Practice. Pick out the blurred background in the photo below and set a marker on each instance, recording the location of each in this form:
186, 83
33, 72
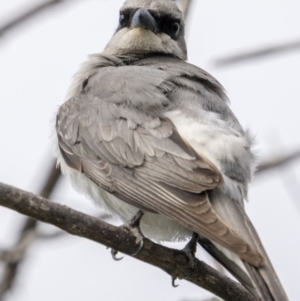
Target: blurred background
251, 47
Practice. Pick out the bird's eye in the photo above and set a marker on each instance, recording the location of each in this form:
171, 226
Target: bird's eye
175, 29
123, 19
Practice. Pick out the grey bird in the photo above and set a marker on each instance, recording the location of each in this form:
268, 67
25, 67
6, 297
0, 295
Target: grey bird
142, 129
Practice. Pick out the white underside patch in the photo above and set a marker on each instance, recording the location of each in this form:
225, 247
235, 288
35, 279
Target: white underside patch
213, 139
209, 136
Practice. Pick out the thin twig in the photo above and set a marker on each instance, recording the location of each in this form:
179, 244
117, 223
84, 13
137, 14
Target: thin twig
277, 162
255, 54
185, 7
15, 255
28, 230
35, 10
211, 299
174, 262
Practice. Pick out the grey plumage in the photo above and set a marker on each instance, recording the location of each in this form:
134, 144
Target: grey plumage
143, 129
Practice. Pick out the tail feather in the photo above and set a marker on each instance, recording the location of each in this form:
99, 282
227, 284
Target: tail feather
262, 282
264, 277
231, 265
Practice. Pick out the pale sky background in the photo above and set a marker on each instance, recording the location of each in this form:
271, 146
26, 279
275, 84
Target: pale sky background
37, 61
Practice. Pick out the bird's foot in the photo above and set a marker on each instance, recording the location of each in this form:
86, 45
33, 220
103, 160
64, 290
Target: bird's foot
133, 226
135, 221
190, 250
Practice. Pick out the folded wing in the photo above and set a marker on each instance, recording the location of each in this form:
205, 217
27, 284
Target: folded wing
115, 134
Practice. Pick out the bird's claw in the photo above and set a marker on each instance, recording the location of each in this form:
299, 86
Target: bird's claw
173, 282
114, 255
139, 249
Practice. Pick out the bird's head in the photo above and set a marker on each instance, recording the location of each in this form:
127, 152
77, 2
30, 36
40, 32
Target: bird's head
148, 27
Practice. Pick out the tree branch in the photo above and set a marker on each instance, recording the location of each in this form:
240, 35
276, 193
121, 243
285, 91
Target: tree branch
174, 262
185, 7
255, 54
212, 299
277, 162
27, 15
28, 231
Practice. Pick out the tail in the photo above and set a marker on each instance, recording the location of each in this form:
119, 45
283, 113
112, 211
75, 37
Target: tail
262, 282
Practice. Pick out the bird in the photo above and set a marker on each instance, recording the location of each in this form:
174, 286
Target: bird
144, 131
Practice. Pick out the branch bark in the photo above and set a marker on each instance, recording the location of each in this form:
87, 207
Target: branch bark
27, 15
174, 262
259, 53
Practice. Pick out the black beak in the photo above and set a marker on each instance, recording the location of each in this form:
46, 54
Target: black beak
143, 19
